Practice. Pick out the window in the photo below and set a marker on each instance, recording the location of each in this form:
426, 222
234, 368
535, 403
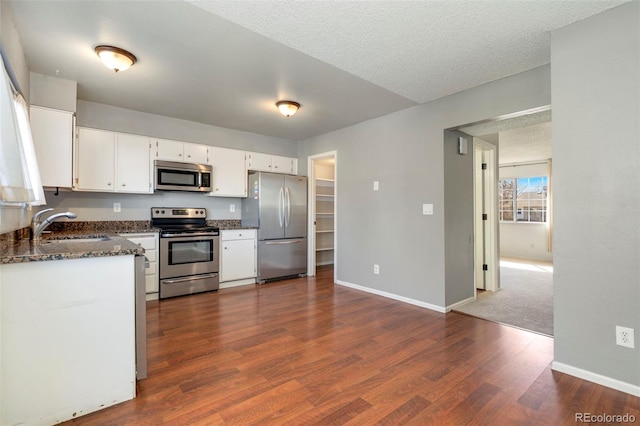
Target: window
523, 199
19, 175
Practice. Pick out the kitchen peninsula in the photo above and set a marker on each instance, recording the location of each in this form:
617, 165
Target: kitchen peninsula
68, 327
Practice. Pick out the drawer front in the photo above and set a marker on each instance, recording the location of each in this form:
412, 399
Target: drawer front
237, 234
147, 243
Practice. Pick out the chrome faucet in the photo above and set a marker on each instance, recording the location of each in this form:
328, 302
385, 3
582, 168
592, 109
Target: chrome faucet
37, 226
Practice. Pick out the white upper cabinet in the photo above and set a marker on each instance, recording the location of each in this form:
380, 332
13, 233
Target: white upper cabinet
95, 160
52, 132
181, 151
229, 172
112, 162
286, 165
272, 163
196, 153
169, 150
133, 166
258, 161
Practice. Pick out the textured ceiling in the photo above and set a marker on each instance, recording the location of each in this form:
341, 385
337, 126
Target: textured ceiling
525, 144
521, 139
227, 63
422, 50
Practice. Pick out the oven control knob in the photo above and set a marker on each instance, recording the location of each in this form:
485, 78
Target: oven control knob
162, 211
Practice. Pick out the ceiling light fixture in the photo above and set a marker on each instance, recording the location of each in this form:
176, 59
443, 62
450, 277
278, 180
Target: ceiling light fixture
287, 108
115, 58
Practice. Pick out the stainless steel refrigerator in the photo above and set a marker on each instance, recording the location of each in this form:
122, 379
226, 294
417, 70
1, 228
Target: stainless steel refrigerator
277, 206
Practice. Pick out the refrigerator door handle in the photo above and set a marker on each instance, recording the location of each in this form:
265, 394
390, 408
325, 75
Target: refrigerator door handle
271, 243
287, 216
281, 206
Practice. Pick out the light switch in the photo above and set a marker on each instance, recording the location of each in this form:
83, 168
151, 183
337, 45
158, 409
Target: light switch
117, 208
427, 209
376, 185
232, 208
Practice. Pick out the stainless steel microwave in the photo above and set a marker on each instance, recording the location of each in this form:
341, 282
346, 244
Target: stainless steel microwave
174, 176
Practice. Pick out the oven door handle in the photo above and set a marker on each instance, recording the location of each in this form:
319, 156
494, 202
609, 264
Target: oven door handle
187, 235
191, 278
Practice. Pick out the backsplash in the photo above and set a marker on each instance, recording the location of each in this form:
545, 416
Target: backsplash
109, 227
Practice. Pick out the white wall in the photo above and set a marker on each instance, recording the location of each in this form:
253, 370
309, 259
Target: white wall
53, 92
404, 151
596, 155
525, 240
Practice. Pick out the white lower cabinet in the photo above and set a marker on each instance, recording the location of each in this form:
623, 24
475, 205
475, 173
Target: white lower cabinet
149, 242
237, 257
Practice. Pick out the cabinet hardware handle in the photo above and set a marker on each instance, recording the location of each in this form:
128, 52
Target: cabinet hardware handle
124, 184
108, 183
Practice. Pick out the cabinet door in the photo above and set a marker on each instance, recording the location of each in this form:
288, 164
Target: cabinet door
169, 150
282, 164
52, 132
132, 163
95, 160
237, 260
258, 161
196, 153
229, 172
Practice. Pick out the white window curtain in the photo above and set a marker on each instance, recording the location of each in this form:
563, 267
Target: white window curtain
19, 174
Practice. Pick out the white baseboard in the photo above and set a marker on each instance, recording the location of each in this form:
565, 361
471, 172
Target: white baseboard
237, 283
151, 296
596, 378
460, 303
393, 296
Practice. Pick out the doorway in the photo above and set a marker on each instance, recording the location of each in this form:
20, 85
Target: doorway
485, 216
322, 170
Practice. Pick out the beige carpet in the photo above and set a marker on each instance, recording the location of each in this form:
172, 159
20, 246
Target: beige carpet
524, 301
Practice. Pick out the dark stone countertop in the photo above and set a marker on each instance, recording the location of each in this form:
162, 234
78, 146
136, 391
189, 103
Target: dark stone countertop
67, 247
58, 243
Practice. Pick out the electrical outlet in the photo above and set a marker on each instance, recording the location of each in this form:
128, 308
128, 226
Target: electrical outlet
624, 337
376, 269
376, 185
232, 208
117, 208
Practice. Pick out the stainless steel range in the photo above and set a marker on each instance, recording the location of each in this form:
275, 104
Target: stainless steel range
188, 251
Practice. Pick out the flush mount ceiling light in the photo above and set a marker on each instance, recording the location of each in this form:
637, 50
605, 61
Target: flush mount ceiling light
287, 108
115, 58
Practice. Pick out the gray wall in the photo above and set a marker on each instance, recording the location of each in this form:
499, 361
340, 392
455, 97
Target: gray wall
107, 117
404, 151
458, 219
596, 152
90, 206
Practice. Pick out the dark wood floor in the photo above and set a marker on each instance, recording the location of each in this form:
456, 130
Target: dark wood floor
306, 351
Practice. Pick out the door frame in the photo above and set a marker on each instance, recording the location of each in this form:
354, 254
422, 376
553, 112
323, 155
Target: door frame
311, 240
491, 256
